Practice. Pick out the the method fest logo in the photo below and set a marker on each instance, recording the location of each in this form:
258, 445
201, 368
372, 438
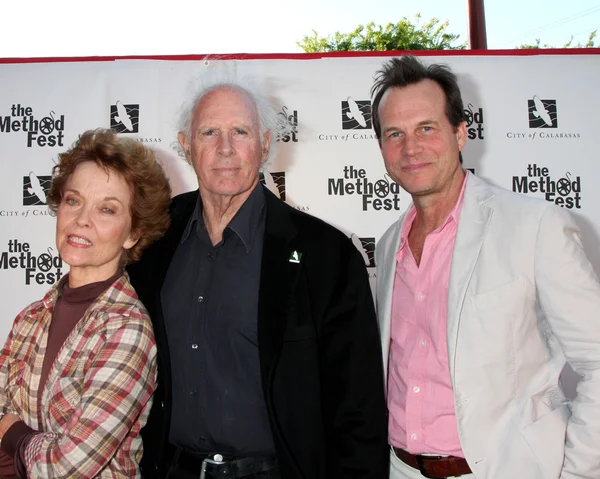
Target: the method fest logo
44, 268
380, 194
287, 123
45, 131
565, 191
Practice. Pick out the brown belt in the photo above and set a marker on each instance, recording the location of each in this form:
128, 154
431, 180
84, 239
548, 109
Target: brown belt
434, 467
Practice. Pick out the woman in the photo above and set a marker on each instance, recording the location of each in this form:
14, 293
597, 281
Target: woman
79, 367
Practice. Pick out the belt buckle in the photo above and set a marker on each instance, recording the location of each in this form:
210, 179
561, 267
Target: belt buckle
216, 460
421, 464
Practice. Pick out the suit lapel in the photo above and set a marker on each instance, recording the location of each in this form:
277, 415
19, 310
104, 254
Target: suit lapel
475, 216
165, 249
179, 220
385, 289
279, 274
164, 254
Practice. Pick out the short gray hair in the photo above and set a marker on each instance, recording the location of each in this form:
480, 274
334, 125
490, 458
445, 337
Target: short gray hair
211, 81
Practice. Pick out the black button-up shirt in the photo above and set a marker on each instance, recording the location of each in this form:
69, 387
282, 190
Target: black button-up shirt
210, 304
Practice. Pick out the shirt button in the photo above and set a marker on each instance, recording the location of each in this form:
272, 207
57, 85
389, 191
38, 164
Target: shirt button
416, 389
200, 299
194, 346
423, 342
211, 255
421, 297
193, 392
414, 437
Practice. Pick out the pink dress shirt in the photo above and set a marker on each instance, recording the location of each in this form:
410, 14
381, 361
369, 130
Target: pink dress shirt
420, 397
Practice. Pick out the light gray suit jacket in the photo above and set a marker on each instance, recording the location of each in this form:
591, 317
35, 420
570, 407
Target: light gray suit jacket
522, 300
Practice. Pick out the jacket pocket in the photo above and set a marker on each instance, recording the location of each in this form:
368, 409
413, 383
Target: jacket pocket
486, 347
66, 395
546, 438
503, 297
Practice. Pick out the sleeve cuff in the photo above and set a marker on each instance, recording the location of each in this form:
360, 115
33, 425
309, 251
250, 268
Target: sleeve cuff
12, 437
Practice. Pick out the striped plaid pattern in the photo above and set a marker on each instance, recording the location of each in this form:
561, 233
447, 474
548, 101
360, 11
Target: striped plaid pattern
106, 368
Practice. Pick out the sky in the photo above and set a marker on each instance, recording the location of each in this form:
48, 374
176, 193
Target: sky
42, 28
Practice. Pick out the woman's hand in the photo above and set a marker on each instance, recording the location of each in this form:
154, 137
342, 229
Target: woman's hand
7, 421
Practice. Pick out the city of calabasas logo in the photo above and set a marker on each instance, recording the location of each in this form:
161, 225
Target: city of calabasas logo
275, 182
356, 115
542, 113
356, 123
366, 247
125, 118
35, 189
542, 117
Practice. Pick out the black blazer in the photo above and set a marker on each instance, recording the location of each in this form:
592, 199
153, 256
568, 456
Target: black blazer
319, 348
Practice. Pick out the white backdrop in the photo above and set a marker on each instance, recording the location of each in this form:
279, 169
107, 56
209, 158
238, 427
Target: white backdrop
532, 124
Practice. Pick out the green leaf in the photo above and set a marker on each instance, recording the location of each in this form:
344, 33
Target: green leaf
403, 35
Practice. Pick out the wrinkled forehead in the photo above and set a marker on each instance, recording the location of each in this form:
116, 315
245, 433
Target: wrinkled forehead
425, 97
226, 101
90, 177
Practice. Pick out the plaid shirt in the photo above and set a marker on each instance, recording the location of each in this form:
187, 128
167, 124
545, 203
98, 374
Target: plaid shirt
106, 368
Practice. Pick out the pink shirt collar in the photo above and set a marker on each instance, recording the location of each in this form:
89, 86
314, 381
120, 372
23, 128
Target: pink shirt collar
452, 216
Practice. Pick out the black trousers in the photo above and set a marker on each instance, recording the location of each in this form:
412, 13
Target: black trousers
179, 473
180, 470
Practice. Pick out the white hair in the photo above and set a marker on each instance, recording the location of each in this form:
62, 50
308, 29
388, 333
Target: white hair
219, 77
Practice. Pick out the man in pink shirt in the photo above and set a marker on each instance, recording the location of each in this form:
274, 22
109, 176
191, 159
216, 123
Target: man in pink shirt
483, 296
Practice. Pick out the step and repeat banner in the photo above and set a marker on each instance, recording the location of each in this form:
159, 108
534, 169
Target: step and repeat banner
532, 126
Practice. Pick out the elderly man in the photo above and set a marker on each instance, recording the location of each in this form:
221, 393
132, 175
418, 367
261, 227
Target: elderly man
269, 353
482, 296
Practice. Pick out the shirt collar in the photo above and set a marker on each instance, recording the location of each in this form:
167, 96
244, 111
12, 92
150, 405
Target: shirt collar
246, 221
50, 297
196, 217
244, 224
455, 213
57, 289
452, 216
